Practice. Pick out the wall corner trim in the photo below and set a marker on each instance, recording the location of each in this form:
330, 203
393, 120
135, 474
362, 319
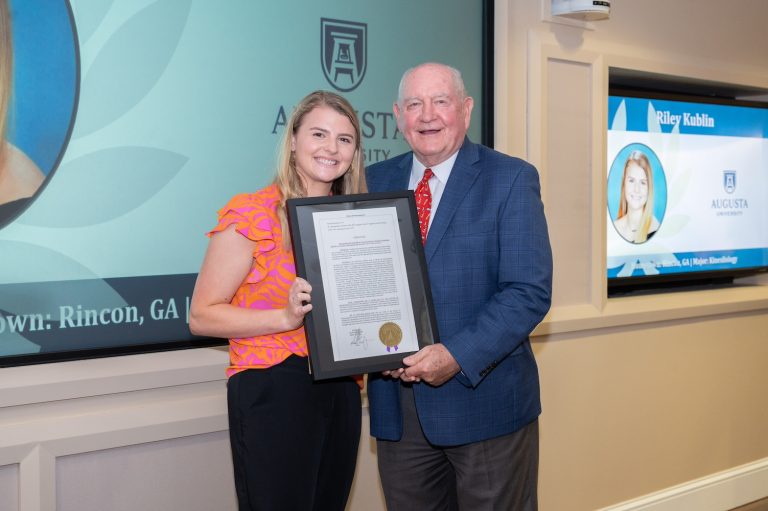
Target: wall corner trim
717, 492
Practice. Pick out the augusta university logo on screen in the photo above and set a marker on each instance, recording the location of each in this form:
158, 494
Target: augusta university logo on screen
729, 181
343, 52
729, 205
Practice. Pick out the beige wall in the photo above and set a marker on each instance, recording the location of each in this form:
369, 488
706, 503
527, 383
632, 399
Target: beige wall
640, 393
629, 411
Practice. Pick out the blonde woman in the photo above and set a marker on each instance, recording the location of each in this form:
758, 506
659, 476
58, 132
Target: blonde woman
635, 221
19, 176
294, 441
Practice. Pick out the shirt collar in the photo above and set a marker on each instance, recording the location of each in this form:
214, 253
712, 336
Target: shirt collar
442, 170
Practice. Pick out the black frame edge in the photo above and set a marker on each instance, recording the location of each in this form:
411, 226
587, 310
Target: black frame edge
487, 108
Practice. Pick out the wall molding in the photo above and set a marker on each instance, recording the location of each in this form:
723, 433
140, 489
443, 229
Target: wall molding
717, 492
597, 311
60, 409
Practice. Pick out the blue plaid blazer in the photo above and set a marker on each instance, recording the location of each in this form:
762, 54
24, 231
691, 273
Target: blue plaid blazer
490, 269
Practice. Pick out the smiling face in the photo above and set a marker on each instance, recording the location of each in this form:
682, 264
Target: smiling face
432, 113
323, 147
635, 187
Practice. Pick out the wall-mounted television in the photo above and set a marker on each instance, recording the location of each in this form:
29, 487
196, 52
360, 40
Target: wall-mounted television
137, 121
687, 189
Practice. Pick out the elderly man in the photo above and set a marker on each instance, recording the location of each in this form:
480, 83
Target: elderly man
457, 426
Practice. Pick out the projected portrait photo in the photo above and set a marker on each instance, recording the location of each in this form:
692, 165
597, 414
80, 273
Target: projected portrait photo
38, 94
637, 193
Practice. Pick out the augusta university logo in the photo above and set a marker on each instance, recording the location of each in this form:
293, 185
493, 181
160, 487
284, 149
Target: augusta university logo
343, 52
729, 181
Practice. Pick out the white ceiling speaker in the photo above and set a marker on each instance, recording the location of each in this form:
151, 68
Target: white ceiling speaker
584, 10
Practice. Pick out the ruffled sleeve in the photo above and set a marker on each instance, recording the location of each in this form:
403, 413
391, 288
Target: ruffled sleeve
254, 219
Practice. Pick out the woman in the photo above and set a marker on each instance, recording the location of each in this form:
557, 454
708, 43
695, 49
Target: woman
294, 441
19, 176
635, 221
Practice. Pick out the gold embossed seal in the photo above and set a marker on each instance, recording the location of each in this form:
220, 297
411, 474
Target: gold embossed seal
390, 335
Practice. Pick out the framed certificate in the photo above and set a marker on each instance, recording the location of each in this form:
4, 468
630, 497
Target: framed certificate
371, 301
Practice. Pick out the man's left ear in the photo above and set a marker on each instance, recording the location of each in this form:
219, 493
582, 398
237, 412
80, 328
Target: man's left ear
468, 104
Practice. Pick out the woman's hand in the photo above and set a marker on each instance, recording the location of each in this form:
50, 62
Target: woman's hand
227, 262
299, 305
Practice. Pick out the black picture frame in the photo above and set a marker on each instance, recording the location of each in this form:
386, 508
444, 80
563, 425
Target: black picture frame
320, 342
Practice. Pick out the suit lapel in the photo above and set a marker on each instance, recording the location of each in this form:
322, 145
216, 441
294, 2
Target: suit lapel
400, 176
463, 175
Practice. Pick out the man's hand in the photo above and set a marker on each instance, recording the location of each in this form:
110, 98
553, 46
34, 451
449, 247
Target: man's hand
433, 364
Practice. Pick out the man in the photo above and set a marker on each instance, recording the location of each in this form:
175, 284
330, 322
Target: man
457, 426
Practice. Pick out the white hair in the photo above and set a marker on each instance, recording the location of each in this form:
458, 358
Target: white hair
458, 81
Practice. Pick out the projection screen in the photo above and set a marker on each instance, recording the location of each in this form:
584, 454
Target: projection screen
139, 119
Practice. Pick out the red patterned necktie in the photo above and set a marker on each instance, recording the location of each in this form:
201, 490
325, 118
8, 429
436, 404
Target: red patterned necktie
424, 203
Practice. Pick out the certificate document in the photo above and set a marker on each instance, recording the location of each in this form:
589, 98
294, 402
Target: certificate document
371, 299
365, 281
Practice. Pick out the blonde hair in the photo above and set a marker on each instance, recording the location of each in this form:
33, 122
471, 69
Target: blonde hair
641, 160
287, 178
6, 66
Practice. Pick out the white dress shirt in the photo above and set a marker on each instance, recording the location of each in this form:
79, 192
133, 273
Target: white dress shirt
436, 183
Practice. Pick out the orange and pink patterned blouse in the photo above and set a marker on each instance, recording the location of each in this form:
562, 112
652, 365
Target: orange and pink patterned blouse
266, 285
